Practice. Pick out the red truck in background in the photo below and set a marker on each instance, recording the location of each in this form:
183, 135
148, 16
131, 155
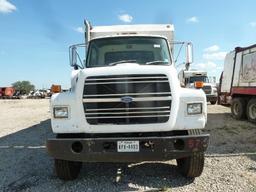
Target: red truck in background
6, 92
238, 83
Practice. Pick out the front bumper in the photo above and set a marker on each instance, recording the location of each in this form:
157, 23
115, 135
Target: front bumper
105, 149
211, 98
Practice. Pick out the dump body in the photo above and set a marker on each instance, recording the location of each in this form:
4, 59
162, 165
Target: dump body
238, 83
239, 74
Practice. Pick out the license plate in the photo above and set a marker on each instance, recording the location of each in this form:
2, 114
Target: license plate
128, 146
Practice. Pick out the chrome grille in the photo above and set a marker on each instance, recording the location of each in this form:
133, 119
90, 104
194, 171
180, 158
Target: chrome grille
150, 97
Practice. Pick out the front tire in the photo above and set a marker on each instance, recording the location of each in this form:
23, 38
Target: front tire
238, 107
251, 110
67, 170
213, 102
193, 165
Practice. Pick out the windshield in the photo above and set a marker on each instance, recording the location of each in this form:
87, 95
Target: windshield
198, 78
117, 50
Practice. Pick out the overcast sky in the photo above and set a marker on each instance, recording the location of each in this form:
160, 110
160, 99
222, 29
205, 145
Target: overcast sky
35, 34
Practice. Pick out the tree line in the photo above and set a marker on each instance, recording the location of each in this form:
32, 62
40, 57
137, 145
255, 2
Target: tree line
23, 87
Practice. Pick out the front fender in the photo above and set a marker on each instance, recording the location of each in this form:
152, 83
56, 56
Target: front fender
75, 118
185, 121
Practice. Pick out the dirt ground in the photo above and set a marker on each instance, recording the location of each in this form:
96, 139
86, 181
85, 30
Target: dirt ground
25, 166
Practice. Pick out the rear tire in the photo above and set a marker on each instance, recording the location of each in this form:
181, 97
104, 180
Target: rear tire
193, 165
67, 170
251, 110
238, 108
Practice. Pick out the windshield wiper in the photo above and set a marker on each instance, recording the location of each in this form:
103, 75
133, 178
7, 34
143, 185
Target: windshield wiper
156, 62
122, 61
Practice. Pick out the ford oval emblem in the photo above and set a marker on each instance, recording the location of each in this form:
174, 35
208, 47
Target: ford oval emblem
126, 99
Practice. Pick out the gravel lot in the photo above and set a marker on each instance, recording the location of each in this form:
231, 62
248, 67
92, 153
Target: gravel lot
25, 166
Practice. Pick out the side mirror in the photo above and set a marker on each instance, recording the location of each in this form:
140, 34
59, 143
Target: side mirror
77, 53
189, 53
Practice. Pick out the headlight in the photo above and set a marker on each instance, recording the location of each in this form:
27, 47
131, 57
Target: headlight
194, 108
60, 112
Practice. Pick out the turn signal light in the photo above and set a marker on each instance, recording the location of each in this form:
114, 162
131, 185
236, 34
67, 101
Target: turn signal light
56, 89
199, 84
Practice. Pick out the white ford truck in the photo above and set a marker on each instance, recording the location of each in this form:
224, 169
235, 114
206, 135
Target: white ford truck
126, 104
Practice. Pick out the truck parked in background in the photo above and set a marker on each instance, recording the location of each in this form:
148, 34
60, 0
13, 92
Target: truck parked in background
126, 103
189, 79
238, 83
6, 92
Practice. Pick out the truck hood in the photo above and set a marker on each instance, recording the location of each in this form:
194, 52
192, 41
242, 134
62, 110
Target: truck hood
180, 97
128, 68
